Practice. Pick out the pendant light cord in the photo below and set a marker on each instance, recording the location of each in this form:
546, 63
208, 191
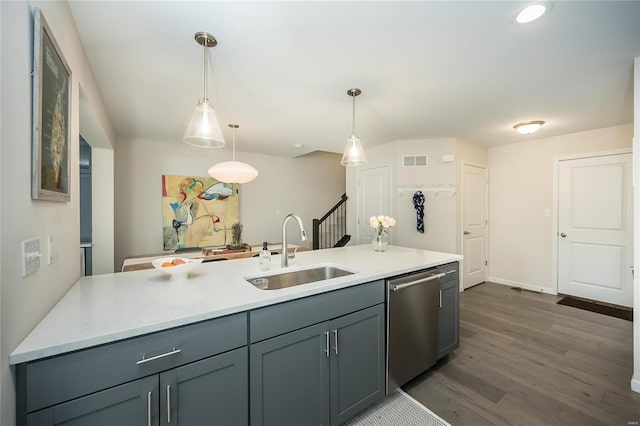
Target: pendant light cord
233, 146
353, 122
204, 70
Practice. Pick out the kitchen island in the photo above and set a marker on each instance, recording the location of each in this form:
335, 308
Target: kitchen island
109, 316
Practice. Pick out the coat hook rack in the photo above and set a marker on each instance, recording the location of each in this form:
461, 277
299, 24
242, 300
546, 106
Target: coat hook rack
434, 190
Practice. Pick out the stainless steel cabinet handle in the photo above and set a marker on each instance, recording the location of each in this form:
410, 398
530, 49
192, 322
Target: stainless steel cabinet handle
149, 409
466, 232
563, 235
440, 301
335, 337
153, 358
168, 403
326, 348
450, 271
416, 282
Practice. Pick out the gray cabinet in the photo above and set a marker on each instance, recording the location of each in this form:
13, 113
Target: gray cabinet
208, 392
213, 391
194, 374
357, 362
323, 373
448, 317
131, 404
290, 378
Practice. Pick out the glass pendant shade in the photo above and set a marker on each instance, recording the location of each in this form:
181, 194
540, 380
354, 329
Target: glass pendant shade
353, 152
204, 129
233, 171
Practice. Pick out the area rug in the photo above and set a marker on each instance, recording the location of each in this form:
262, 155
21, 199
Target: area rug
396, 409
600, 308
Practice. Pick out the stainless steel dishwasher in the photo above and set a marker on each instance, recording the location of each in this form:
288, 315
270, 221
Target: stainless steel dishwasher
413, 303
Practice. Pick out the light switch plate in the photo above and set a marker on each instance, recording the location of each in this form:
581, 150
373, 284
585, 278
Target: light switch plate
30, 256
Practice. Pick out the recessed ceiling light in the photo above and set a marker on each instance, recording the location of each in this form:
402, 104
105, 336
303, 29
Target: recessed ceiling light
298, 146
528, 127
531, 12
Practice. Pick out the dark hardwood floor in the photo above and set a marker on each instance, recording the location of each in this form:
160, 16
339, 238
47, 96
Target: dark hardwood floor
524, 360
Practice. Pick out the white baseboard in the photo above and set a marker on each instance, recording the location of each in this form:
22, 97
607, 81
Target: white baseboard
635, 385
524, 286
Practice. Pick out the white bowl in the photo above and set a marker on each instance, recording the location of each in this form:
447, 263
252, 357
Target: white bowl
177, 272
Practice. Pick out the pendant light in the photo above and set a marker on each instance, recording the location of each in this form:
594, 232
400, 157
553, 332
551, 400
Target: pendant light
233, 171
353, 152
204, 129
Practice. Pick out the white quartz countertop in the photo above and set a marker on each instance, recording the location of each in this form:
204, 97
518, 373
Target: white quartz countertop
105, 308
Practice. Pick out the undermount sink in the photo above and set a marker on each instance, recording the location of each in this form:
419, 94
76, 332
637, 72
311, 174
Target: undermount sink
298, 277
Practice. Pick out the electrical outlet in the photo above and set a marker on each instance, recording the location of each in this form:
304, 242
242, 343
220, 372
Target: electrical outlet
30, 256
50, 253
547, 213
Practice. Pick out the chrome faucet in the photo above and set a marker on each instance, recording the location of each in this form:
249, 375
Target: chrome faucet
284, 256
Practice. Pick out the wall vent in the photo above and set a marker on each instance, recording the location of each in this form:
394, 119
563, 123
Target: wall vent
415, 160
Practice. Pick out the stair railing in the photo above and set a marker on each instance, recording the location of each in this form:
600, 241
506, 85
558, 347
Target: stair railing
332, 227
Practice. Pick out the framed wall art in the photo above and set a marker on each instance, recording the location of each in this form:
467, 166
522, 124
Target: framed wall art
197, 211
50, 169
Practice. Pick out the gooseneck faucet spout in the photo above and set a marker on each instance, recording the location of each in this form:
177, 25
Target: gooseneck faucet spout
284, 256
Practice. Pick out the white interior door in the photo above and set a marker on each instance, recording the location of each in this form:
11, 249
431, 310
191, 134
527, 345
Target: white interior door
595, 228
474, 225
373, 199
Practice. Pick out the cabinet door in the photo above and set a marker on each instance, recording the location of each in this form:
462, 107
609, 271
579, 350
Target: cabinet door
213, 391
131, 404
357, 362
448, 327
289, 382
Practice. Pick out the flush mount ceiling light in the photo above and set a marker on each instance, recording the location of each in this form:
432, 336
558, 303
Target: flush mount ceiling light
531, 12
204, 129
528, 127
233, 171
353, 152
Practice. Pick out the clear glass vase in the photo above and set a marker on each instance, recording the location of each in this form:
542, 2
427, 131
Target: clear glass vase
380, 240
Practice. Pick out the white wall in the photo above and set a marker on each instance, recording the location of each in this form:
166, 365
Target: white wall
26, 300
103, 211
308, 186
635, 382
439, 208
440, 214
102, 185
1, 139
520, 189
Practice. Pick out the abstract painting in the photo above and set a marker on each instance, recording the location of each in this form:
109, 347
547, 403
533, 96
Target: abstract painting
197, 211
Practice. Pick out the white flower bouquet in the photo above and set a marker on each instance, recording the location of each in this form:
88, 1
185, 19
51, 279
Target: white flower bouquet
381, 223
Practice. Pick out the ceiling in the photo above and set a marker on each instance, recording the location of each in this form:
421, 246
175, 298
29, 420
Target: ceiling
281, 70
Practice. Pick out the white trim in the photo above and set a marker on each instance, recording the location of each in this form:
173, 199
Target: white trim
593, 154
635, 385
524, 286
556, 201
486, 216
390, 184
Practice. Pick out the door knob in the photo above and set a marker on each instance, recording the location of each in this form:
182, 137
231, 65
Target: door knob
466, 232
563, 235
